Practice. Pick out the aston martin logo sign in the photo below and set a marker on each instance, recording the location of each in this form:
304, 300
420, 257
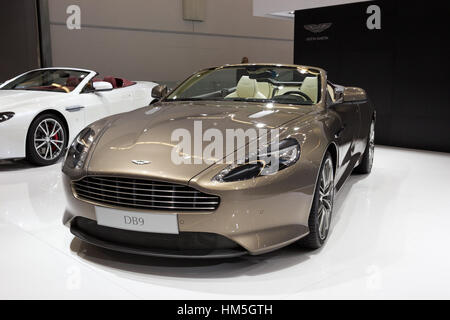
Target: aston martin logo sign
318, 28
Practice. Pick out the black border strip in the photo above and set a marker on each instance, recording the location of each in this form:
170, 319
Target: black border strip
44, 33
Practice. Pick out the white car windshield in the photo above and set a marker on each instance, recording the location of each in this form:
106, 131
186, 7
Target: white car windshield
252, 83
55, 80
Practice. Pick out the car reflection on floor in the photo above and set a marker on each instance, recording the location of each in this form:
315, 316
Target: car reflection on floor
388, 231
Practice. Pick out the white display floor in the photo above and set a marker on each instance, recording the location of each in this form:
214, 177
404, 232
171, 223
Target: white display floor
390, 239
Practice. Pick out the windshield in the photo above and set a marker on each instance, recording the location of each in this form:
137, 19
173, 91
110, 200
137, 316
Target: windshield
288, 85
56, 80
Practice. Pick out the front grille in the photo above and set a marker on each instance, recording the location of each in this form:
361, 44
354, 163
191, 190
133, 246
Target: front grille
143, 194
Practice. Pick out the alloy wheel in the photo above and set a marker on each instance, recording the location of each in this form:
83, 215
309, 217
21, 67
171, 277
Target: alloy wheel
49, 139
372, 143
326, 193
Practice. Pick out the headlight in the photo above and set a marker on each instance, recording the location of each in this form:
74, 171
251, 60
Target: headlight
79, 149
5, 116
267, 163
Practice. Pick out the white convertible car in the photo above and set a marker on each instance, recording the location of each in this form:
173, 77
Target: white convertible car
41, 110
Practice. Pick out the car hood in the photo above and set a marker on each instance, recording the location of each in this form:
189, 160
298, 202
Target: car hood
146, 134
13, 99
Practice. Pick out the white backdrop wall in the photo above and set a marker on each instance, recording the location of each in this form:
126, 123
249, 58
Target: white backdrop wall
149, 40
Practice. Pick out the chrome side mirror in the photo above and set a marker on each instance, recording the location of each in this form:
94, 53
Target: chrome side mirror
353, 94
159, 92
339, 94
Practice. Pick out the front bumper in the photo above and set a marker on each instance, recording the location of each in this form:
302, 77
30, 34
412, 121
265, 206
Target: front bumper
255, 219
184, 245
12, 141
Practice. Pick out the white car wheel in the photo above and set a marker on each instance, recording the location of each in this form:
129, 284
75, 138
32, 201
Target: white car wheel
47, 140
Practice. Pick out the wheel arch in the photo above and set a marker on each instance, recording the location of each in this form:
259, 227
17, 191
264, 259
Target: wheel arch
52, 112
333, 150
56, 113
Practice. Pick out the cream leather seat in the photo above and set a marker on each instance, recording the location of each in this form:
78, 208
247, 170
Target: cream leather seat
310, 88
247, 88
331, 93
265, 89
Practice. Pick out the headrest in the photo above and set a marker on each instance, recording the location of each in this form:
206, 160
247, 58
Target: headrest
310, 87
246, 87
111, 80
72, 82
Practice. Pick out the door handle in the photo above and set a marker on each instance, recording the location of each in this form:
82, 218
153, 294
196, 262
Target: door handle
74, 108
339, 133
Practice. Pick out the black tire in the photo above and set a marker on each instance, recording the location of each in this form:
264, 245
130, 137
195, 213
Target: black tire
365, 167
316, 237
60, 140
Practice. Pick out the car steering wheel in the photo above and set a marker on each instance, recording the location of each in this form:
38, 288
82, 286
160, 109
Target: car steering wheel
303, 95
60, 87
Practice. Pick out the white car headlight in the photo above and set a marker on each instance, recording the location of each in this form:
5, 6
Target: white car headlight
5, 116
78, 151
267, 163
